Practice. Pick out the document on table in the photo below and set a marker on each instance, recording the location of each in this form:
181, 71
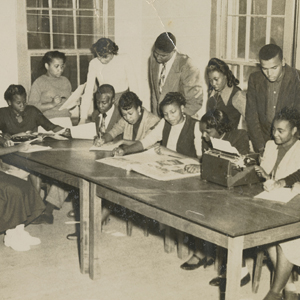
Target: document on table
224, 146
107, 147
72, 100
151, 164
280, 195
84, 131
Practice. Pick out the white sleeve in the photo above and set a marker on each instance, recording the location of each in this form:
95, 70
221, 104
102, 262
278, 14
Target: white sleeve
198, 140
154, 135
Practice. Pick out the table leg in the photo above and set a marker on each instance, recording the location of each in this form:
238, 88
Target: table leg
95, 232
234, 267
84, 225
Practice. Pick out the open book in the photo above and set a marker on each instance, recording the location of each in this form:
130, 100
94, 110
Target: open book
151, 164
280, 195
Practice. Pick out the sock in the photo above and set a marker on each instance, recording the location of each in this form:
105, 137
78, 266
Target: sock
49, 209
244, 272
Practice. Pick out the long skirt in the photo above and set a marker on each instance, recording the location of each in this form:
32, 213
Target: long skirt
20, 203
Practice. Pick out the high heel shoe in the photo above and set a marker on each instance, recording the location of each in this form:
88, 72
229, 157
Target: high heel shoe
190, 267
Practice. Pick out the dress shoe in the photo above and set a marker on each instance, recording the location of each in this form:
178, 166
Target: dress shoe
73, 236
43, 219
190, 267
71, 214
218, 281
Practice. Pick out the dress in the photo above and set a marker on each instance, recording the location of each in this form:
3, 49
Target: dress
44, 89
183, 77
19, 202
259, 127
289, 164
122, 127
235, 103
157, 134
119, 73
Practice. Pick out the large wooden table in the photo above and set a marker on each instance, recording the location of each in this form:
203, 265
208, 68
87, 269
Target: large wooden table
229, 218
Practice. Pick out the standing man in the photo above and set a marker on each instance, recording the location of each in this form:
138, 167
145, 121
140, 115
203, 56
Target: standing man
277, 85
171, 71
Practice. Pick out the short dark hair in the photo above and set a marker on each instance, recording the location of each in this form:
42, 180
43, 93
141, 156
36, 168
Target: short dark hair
288, 114
270, 51
105, 46
50, 55
165, 42
220, 66
218, 120
171, 98
14, 89
129, 100
106, 89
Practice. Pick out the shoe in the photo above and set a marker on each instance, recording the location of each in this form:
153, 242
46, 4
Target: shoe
190, 267
16, 244
291, 295
43, 219
73, 236
218, 281
71, 214
31, 240
274, 296
209, 263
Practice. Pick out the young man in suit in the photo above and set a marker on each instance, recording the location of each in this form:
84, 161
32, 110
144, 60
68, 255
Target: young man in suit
275, 86
171, 71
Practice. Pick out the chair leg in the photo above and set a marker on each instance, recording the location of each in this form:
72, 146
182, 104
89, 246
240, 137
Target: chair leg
219, 259
129, 227
169, 239
257, 270
146, 222
182, 246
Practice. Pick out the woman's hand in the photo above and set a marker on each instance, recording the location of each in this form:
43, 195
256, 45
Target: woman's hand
271, 184
56, 100
261, 172
8, 143
206, 136
98, 142
119, 151
192, 168
23, 146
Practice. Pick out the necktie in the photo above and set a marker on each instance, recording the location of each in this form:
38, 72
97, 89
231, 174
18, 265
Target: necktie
102, 125
162, 78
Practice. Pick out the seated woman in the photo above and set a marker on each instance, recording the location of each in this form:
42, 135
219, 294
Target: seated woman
19, 117
134, 125
20, 204
176, 131
279, 165
224, 93
215, 124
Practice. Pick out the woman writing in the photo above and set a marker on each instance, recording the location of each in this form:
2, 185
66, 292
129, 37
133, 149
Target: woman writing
224, 93
108, 67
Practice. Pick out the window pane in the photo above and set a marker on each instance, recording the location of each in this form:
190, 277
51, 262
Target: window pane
247, 71
259, 7
37, 67
277, 30
241, 37
62, 21
38, 41
243, 7
38, 20
87, 4
37, 3
257, 36
71, 70
278, 7
63, 41
111, 26
111, 8
62, 4
84, 66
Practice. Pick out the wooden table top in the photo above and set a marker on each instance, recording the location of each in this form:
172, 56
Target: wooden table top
231, 212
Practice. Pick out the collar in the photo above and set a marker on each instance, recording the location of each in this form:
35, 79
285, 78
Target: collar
225, 93
109, 113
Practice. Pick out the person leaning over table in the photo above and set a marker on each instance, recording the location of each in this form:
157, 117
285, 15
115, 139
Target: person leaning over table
280, 165
20, 204
108, 67
275, 86
177, 131
224, 93
216, 124
135, 123
19, 117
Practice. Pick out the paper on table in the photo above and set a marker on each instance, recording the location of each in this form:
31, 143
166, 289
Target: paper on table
72, 100
223, 146
281, 195
36, 148
107, 147
84, 131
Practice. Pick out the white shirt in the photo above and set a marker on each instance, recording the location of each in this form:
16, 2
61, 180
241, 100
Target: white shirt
108, 117
155, 135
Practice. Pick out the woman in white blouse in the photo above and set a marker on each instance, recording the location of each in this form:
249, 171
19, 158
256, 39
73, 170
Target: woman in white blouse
108, 67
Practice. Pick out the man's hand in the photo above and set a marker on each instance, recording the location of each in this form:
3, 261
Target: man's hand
119, 151
192, 168
98, 142
261, 172
271, 184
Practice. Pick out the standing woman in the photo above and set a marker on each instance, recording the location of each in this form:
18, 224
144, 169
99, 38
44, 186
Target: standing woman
108, 67
51, 90
224, 93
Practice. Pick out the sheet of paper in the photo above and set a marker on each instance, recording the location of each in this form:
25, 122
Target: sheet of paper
36, 148
72, 100
223, 146
107, 147
280, 195
84, 131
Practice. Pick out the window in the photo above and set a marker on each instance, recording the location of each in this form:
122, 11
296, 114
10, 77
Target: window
70, 26
244, 26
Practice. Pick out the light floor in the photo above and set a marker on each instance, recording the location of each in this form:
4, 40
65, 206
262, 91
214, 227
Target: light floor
133, 268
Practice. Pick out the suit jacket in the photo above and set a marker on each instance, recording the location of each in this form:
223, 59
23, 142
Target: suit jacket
183, 77
259, 127
114, 119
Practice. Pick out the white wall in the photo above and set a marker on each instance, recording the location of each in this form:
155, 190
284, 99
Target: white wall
8, 42
139, 22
